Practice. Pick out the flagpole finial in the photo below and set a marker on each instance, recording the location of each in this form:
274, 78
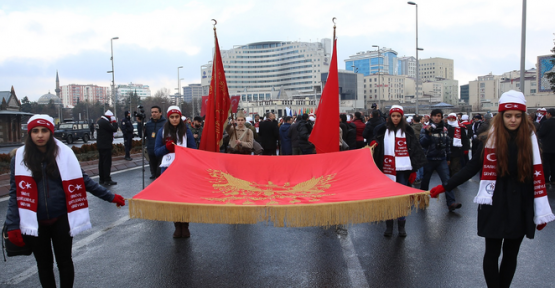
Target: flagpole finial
333, 20
215, 22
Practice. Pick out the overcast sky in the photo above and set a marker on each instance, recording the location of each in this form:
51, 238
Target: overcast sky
155, 37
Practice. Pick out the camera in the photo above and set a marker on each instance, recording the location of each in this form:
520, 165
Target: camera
140, 114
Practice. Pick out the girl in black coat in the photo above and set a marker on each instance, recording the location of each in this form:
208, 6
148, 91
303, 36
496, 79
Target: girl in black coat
398, 154
512, 194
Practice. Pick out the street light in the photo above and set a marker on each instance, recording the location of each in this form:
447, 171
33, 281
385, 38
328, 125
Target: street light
114, 95
379, 78
178, 85
417, 67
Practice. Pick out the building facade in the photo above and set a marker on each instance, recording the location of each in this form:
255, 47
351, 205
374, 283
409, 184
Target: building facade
192, 91
407, 66
368, 63
272, 66
388, 88
464, 93
123, 90
436, 68
74, 93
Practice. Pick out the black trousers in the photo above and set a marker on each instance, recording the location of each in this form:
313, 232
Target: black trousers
154, 163
500, 276
127, 142
55, 235
104, 165
549, 166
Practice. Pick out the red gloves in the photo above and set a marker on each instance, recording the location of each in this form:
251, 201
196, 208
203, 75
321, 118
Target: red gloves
539, 227
465, 152
412, 178
436, 191
15, 237
373, 143
169, 145
120, 201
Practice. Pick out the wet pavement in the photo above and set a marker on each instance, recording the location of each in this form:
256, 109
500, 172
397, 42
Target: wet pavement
441, 250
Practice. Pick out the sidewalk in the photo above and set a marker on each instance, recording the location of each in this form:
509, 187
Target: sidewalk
90, 167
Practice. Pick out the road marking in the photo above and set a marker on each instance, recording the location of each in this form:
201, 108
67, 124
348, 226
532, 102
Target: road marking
85, 241
7, 197
356, 273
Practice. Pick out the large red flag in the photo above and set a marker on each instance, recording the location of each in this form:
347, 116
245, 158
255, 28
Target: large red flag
325, 135
218, 106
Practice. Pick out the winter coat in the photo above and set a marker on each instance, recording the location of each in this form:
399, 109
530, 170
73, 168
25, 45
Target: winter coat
437, 145
304, 128
294, 135
160, 146
458, 151
416, 154
51, 198
547, 135
126, 127
286, 148
268, 134
151, 128
197, 131
368, 132
105, 134
360, 128
512, 212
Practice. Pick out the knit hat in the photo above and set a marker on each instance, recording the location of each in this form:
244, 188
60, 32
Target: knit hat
173, 110
41, 120
453, 115
396, 108
108, 113
464, 117
512, 100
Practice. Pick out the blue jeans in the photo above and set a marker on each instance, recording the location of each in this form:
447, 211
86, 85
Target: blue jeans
162, 169
440, 166
419, 173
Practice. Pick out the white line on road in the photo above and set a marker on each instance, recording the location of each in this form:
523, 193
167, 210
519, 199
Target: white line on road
85, 241
356, 273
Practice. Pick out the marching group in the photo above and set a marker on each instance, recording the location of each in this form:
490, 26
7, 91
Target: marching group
512, 193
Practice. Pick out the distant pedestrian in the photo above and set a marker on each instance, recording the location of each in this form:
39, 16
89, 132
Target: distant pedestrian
127, 130
459, 143
107, 126
152, 127
197, 129
268, 134
140, 127
547, 137
512, 196
304, 128
285, 140
294, 136
358, 122
241, 138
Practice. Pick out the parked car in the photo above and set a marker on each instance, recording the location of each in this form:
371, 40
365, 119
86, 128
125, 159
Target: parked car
71, 131
135, 133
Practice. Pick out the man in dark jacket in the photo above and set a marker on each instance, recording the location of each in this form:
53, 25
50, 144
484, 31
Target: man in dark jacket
285, 140
547, 137
376, 108
127, 130
473, 133
156, 122
375, 121
294, 136
106, 127
304, 128
197, 129
435, 141
458, 144
268, 134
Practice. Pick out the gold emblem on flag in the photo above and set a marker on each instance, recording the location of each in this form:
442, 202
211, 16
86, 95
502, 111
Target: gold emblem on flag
235, 189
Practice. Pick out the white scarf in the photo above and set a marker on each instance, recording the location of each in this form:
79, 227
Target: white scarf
396, 154
457, 142
74, 188
168, 158
542, 210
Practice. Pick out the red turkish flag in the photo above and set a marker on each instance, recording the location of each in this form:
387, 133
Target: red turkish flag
325, 135
218, 106
235, 103
203, 106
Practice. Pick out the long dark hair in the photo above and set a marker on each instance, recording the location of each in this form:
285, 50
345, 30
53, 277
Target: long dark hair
525, 153
171, 131
33, 157
402, 125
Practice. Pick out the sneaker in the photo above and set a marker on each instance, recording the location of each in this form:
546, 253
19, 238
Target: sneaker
128, 158
152, 177
454, 206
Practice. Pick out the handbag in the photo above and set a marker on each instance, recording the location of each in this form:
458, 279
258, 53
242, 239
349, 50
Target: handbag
257, 148
10, 248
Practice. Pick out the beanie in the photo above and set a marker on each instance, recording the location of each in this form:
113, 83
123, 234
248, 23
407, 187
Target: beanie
512, 100
41, 120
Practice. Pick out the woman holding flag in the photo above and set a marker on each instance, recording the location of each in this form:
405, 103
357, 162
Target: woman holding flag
48, 200
512, 197
398, 155
174, 133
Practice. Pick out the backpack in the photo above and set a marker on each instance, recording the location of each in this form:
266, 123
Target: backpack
351, 135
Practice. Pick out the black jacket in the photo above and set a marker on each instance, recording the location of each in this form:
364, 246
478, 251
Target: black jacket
436, 143
305, 128
105, 134
547, 135
512, 212
51, 198
294, 135
151, 128
458, 151
126, 127
416, 154
368, 133
268, 134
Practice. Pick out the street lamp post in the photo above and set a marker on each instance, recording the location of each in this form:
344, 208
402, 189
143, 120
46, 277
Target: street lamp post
178, 86
114, 95
417, 66
523, 48
379, 78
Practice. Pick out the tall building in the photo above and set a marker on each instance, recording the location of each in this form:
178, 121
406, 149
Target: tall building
484, 92
193, 90
388, 88
262, 67
351, 96
74, 93
123, 90
407, 66
464, 93
436, 68
372, 62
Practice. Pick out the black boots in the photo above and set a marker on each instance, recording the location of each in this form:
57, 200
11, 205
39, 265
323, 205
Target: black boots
389, 228
181, 230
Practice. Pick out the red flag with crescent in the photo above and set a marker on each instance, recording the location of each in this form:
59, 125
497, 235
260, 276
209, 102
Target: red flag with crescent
203, 105
235, 103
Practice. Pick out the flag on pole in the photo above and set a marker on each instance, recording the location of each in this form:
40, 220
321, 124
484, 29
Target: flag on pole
325, 134
218, 106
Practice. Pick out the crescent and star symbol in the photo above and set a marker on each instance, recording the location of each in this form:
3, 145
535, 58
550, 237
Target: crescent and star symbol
23, 183
400, 143
491, 157
537, 173
43, 122
71, 188
387, 160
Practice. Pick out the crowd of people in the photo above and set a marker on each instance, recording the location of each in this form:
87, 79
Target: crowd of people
408, 150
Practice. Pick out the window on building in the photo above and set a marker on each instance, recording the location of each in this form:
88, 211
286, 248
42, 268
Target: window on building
482, 85
532, 90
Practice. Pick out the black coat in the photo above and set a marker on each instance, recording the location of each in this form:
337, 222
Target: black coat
268, 134
105, 134
126, 127
512, 212
294, 135
458, 151
547, 135
416, 154
305, 128
368, 132
151, 129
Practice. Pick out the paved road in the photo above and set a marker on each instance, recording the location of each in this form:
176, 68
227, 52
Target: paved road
441, 250
77, 143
